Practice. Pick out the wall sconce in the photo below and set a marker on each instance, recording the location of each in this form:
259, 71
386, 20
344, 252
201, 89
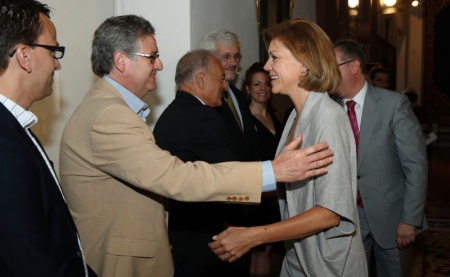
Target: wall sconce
388, 6
353, 8
389, 3
416, 3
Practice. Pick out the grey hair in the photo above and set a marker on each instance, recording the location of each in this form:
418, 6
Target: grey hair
191, 63
117, 33
209, 41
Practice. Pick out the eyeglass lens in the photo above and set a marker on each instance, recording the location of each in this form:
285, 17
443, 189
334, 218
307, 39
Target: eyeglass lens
237, 57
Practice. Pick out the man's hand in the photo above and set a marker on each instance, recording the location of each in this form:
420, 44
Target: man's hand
406, 235
294, 164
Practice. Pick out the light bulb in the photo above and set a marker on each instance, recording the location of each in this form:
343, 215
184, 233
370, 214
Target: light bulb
353, 3
415, 3
390, 3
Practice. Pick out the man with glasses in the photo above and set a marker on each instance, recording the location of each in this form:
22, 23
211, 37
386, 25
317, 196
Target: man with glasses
116, 179
37, 234
235, 112
392, 164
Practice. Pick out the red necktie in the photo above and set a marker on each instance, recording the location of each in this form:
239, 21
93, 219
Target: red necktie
354, 123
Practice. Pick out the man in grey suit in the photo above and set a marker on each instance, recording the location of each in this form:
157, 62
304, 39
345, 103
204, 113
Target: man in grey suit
392, 164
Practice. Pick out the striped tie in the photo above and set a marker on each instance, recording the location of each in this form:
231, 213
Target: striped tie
354, 123
353, 120
230, 103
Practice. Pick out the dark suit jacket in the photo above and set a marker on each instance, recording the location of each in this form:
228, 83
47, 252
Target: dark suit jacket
193, 131
245, 146
38, 236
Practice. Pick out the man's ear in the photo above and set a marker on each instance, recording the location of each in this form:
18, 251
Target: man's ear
120, 61
356, 67
23, 57
200, 80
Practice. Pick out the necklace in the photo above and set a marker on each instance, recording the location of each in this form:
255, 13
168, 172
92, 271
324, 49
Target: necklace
259, 115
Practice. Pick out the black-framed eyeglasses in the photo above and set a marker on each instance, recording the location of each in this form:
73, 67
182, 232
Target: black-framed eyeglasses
57, 50
346, 62
151, 57
227, 57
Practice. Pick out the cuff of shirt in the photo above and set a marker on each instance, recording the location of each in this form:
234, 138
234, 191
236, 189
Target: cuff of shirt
268, 180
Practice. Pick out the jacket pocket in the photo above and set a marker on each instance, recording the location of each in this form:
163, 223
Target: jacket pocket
132, 247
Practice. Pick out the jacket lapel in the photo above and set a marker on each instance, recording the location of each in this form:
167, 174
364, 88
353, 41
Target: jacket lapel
370, 115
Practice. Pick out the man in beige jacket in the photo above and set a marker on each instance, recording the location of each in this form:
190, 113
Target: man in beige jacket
116, 179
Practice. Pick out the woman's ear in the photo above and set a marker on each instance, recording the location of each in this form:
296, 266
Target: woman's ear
304, 71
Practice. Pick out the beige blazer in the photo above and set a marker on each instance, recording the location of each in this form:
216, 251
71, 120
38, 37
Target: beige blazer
115, 180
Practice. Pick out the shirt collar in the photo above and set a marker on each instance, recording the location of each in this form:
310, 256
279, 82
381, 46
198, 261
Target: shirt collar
201, 101
135, 104
26, 118
360, 96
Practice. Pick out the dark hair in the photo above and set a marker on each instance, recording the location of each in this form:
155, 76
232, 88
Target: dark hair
378, 70
254, 68
372, 66
117, 33
191, 63
352, 50
310, 45
19, 23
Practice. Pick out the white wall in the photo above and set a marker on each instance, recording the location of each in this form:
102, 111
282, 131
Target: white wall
171, 20
75, 23
237, 16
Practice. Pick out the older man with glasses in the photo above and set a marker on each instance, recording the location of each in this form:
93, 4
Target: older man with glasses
235, 112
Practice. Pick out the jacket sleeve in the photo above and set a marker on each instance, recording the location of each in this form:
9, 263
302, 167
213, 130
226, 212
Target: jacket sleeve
411, 149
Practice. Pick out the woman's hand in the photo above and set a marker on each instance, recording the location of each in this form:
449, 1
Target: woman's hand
234, 242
